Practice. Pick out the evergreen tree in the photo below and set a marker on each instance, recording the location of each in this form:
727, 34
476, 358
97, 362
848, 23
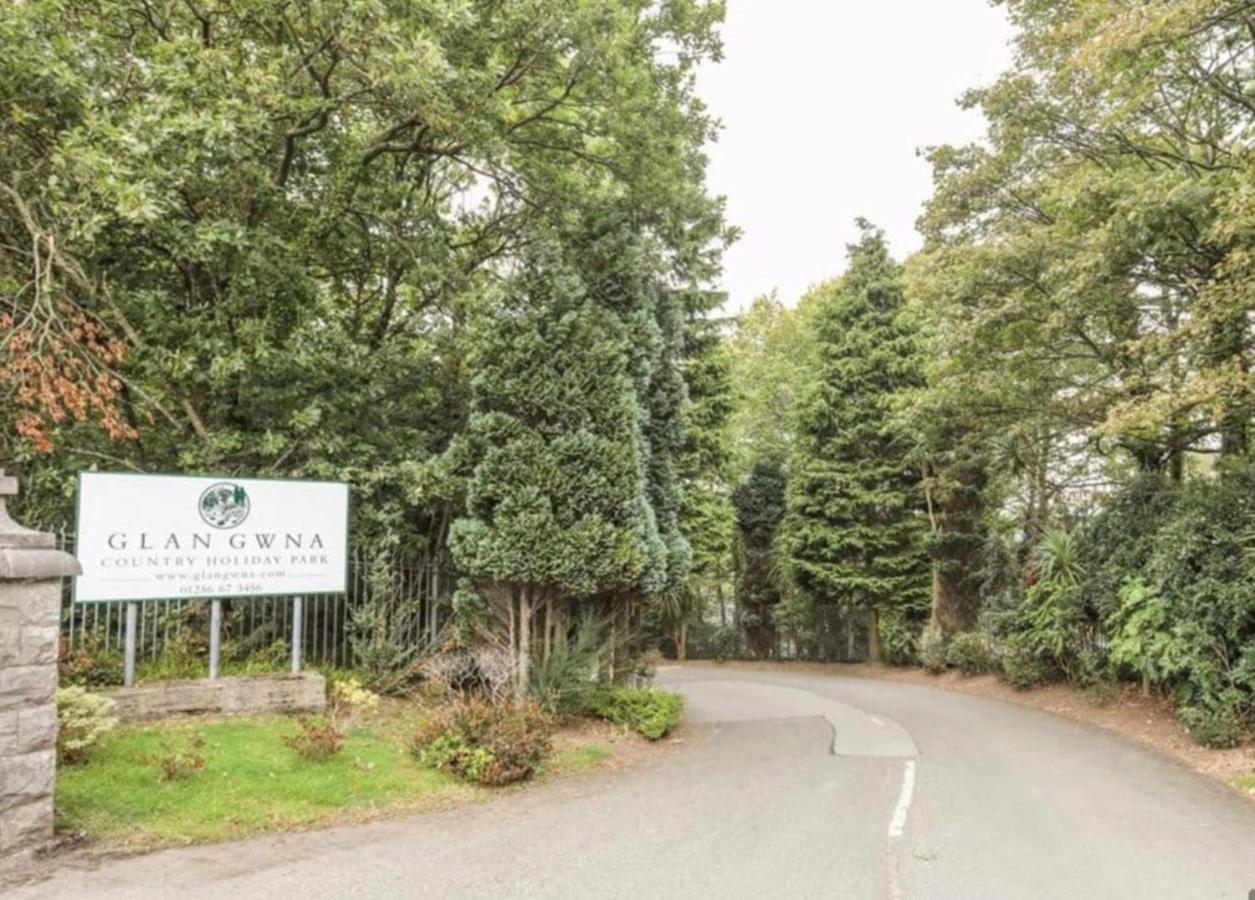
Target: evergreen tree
706, 517
855, 527
557, 508
760, 507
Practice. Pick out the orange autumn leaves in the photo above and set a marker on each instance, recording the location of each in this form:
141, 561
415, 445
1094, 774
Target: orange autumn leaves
59, 374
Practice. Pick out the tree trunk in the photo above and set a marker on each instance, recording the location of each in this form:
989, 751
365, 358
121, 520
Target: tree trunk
525, 643
548, 626
614, 640
682, 642
873, 637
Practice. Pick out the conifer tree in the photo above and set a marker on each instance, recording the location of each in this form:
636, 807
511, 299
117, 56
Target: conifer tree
855, 528
557, 508
760, 506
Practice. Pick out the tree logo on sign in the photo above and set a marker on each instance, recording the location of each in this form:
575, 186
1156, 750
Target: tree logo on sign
224, 505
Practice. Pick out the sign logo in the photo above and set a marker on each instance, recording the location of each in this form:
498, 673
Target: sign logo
224, 505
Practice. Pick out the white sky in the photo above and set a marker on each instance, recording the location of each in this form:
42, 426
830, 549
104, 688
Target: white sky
824, 104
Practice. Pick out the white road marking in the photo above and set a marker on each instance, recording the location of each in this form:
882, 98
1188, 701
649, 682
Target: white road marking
879, 721
898, 822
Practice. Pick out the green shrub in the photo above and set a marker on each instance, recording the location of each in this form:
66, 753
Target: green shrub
347, 696
1219, 724
649, 712
318, 738
973, 653
899, 632
563, 683
932, 648
178, 763
1022, 667
485, 743
91, 662
83, 719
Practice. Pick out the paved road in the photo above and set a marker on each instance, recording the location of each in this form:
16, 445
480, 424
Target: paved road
786, 785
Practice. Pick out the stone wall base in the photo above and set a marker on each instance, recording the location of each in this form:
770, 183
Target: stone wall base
305, 692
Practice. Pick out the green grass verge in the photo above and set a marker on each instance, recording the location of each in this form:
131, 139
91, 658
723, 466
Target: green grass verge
251, 783
577, 759
1246, 782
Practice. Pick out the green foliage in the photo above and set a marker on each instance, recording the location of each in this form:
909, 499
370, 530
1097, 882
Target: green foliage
288, 221
933, 654
1022, 667
854, 530
1222, 722
387, 635
760, 504
82, 720
348, 696
650, 713
318, 738
1142, 635
90, 663
1057, 559
712, 640
484, 743
564, 682
182, 760
973, 652
771, 361
898, 629
553, 451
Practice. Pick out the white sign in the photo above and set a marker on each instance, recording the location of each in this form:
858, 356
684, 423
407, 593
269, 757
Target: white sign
157, 537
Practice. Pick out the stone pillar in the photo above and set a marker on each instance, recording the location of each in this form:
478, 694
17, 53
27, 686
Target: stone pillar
31, 574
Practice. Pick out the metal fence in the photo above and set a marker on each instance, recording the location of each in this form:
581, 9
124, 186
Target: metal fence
410, 591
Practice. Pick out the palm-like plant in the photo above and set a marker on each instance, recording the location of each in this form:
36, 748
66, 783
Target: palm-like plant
1057, 559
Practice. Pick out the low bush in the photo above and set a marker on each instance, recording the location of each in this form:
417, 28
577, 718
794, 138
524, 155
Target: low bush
973, 652
348, 696
177, 763
318, 738
1220, 724
83, 719
932, 648
649, 712
563, 682
485, 743
1022, 667
91, 662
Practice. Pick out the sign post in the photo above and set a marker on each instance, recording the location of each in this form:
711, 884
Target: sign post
215, 637
296, 634
128, 658
157, 537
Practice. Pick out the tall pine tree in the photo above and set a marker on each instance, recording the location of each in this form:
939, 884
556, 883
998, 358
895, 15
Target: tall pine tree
760, 505
855, 527
553, 456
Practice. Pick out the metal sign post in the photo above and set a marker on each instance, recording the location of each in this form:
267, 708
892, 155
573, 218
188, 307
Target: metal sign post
215, 637
296, 635
128, 660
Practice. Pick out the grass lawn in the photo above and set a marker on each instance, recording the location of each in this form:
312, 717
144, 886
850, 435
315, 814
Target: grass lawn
252, 782
1246, 782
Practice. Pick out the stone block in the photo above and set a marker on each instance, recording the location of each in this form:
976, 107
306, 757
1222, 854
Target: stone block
10, 645
25, 685
36, 564
305, 692
8, 732
26, 825
36, 603
27, 777
39, 645
36, 728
